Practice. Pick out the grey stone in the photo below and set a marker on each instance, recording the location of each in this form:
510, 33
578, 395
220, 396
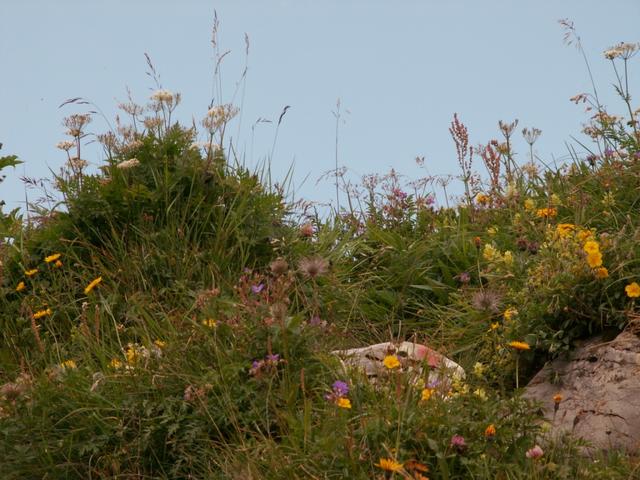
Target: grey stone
600, 387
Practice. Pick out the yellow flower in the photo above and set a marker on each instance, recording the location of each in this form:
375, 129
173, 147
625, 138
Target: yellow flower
546, 212
520, 345
509, 313
426, 394
42, 313
92, 285
115, 363
565, 229
209, 322
584, 235
490, 253
482, 199
529, 204
131, 354
31, 273
69, 364
492, 230
58, 264
633, 290
490, 431
601, 272
391, 362
591, 247
160, 343
52, 258
594, 259
495, 325
478, 369
343, 402
480, 393
507, 257
21, 286
389, 464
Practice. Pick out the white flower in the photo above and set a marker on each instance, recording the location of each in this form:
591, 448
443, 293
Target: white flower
162, 96
132, 162
65, 145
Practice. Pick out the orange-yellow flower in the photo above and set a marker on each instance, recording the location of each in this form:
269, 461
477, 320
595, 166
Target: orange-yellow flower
42, 313
591, 246
426, 394
632, 290
21, 286
68, 365
389, 464
391, 362
601, 272
565, 229
557, 398
482, 199
31, 273
92, 285
520, 345
594, 259
58, 264
52, 258
546, 212
343, 402
490, 431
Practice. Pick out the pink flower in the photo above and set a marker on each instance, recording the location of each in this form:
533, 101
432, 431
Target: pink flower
535, 453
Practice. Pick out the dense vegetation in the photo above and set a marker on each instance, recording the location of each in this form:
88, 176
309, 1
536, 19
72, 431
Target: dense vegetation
174, 316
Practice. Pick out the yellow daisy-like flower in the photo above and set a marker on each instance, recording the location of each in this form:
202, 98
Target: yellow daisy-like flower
343, 402
92, 285
52, 258
565, 229
391, 362
115, 364
509, 313
20, 287
632, 290
601, 272
490, 431
594, 259
426, 394
68, 365
209, 322
520, 345
591, 246
42, 313
389, 464
31, 273
584, 235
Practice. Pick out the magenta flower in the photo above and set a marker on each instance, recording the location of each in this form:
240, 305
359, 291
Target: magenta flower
535, 453
257, 288
458, 443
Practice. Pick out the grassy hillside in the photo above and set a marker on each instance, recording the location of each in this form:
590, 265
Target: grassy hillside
173, 317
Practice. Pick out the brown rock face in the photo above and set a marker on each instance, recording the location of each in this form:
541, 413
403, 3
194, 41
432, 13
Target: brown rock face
600, 387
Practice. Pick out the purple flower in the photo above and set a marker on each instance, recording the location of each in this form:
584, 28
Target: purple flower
458, 443
340, 388
535, 453
256, 367
275, 358
608, 152
257, 288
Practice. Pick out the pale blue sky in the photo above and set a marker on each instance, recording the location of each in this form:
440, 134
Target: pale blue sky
402, 68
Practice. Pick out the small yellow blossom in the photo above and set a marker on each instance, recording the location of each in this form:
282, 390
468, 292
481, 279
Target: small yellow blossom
92, 285
507, 257
343, 402
509, 313
492, 230
555, 199
601, 272
391, 362
68, 365
529, 204
594, 259
52, 258
131, 354
58, 264
495, 325
546, 212
480, 393
42, 313
31, 273
565, 229
632, 290
482, 199
490, 431
478, 369
160, 343
115, 364
520, 345
389, 464
584, 235
426, 394
591, 247
21, 286
209, 322
490, 252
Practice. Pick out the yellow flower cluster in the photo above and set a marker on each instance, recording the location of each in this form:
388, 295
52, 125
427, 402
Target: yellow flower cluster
549, 212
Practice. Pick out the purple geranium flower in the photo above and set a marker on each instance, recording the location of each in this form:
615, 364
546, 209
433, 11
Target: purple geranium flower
257, 288
340, 388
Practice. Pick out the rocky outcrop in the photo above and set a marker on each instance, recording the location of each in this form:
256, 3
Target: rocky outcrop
599, 392
412, 357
